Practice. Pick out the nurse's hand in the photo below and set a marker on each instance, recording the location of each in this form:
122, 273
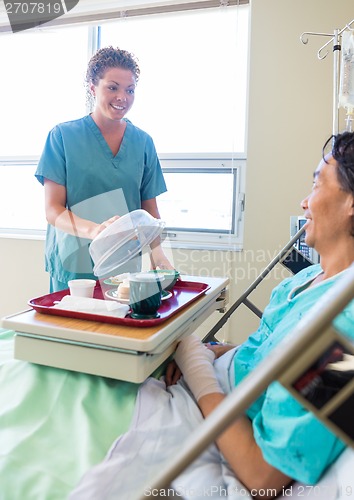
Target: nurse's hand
158, 258
100, 227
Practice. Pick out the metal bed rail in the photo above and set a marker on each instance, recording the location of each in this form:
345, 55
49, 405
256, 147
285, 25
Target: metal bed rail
243, 299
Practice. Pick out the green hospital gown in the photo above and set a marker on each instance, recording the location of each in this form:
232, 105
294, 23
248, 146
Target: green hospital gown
290, 437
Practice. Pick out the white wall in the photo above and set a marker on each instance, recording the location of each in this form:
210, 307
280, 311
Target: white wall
290, 112
290, 117
23, 276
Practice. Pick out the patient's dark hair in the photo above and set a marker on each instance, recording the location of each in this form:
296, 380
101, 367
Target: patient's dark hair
343, 153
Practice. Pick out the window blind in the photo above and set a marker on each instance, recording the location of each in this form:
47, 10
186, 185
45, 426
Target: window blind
92, 11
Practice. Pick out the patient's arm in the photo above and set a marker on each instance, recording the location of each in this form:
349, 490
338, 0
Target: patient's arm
237, 443
244, 456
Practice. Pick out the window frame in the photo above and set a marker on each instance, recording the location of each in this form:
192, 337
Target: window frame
178, 238
210, 239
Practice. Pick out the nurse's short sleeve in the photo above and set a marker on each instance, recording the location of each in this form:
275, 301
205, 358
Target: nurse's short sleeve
52, 163
153, 182
292, 439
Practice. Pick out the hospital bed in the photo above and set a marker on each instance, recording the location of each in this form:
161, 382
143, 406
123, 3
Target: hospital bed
56, 424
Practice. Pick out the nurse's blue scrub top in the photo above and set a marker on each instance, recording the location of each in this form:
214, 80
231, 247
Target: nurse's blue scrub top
99, 185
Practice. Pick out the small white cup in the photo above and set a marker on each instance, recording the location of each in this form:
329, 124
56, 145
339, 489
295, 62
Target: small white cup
82, 287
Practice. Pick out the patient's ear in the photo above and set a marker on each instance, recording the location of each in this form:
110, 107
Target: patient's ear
352, 207
351, 203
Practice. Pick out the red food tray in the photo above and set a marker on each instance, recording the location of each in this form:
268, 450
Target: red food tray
183, 294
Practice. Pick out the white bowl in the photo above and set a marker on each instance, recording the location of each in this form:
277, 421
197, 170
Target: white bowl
82, 287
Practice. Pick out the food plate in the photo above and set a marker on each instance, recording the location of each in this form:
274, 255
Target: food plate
116, 280
112, 294
170, 277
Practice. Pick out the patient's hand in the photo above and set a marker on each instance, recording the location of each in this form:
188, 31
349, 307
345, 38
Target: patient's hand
219, 349
173, 374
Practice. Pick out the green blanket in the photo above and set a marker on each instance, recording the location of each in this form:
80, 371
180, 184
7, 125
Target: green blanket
54, 425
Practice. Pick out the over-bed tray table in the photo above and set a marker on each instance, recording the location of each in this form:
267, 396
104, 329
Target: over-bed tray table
116, 351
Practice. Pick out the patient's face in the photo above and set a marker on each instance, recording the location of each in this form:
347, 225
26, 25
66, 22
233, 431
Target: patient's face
328, 209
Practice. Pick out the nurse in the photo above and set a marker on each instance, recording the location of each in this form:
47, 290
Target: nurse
97, 168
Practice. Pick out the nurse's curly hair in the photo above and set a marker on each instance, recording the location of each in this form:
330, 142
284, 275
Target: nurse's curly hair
107, 58
343, 152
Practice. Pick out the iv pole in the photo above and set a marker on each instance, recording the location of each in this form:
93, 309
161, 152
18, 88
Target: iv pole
336, 39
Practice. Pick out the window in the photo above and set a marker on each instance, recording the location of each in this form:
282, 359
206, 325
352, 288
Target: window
44, 86
204, 202
191, 99
191, 94
22, 204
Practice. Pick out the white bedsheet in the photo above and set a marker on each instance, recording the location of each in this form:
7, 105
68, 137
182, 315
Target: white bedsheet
163, 421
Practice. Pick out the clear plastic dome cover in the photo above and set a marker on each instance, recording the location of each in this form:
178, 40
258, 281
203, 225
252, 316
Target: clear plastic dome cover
122, 240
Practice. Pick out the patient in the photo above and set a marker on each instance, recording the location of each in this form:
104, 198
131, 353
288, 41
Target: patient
277, 441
